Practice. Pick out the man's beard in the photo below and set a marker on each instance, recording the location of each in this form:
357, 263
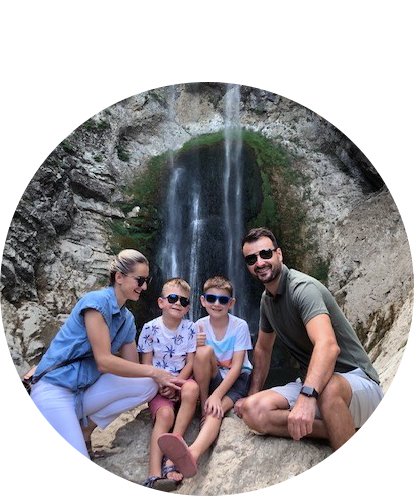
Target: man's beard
274, 274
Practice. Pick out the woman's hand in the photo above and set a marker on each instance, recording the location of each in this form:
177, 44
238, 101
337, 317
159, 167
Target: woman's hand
213, 406
168, 393
164, 378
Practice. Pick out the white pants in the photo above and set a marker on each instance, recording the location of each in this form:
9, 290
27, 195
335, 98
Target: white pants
110, 396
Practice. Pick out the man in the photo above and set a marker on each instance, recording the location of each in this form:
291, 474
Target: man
339, 388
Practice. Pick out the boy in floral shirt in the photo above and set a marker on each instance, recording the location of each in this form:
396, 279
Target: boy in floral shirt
169, 342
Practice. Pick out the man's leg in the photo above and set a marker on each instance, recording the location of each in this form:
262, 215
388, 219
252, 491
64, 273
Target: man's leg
267, 413
334, 406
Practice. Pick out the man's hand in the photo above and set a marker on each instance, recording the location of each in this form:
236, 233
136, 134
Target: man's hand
300, 419
213, 406
238, 407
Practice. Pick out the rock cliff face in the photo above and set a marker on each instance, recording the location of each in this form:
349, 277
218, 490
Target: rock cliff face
58, 243
240, 462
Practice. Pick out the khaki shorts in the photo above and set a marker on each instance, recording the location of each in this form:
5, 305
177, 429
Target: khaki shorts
366, 395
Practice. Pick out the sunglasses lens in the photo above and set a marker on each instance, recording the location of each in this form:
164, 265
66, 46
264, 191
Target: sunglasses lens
266, 254
141, 280
210, 298
250, 259
184, 301
223, 300
172, 298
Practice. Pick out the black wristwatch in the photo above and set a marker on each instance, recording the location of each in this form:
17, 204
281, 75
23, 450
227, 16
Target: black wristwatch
310, 392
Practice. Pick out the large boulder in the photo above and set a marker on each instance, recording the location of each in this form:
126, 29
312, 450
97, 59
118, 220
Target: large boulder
238, 461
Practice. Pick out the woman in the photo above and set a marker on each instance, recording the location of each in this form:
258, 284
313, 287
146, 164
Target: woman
98, 385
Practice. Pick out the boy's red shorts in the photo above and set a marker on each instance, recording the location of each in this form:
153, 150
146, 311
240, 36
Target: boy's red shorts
160, 401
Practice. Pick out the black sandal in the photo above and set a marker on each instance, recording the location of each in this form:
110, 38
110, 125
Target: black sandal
160, 483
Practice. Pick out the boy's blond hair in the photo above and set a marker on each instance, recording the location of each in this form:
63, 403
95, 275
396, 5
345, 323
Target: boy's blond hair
219, 282
176, 281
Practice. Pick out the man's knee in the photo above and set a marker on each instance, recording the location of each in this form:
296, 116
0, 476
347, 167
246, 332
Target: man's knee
337, 392
255, 412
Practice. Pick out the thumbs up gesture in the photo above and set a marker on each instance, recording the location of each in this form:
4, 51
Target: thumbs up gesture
201, 337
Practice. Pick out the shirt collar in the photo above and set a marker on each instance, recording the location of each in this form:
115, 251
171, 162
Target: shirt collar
114, 303
282, 284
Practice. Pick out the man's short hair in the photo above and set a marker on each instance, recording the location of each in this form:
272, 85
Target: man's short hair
257, 233
219, 282
176, 281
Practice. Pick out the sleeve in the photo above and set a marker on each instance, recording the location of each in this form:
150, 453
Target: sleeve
309, 302
192, 340
146, 339
243, 339
264, 323
94, 300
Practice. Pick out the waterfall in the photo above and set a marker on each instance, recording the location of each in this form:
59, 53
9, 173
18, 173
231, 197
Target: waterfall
170, 247
203, 211
233, 198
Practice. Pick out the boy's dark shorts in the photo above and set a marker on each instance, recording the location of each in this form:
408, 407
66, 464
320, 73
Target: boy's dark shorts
239, 389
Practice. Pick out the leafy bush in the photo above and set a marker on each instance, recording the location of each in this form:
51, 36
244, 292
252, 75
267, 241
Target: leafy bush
90, 123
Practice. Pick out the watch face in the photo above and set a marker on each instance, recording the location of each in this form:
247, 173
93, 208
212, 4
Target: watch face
309, 391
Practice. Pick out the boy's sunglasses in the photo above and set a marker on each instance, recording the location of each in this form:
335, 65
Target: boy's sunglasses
264, 254
141, 280
212, 298
173, 298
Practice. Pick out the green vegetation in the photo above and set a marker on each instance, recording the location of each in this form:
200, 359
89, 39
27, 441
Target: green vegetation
282, 209
93, 125
67, 147
140, 232
122, 154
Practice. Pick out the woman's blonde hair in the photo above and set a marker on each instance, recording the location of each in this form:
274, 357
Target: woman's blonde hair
125, 262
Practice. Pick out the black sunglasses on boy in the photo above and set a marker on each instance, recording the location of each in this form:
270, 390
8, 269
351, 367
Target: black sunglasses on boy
173, 298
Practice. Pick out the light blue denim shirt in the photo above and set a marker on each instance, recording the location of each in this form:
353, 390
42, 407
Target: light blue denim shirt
72, 341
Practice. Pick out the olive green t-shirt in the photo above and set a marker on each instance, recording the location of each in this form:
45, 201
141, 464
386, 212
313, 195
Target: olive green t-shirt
299, 298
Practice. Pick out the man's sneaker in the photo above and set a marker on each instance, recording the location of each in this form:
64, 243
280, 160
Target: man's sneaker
364, 441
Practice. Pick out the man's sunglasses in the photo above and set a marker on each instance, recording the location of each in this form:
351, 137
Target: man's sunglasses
212, 298
264, 254
173, 298
141, 280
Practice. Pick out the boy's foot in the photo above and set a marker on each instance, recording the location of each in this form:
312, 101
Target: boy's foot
170, 471
175, 448
364, 441
160, 483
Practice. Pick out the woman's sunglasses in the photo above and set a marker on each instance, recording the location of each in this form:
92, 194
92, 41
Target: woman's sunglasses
212, 298
264, 254
173, 298
141, 280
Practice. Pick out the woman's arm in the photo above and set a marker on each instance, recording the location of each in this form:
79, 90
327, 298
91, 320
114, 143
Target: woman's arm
99, 338
128, 351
